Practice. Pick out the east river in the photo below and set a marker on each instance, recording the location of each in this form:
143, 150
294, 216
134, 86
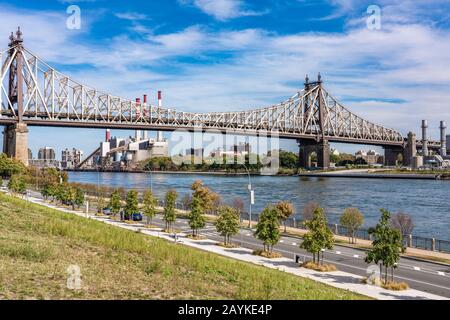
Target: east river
427, 201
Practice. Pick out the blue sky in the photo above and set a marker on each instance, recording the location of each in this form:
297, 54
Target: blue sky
211, 55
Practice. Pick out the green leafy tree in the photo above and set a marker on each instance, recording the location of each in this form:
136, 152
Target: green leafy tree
196, 216
131, 204
149, 205
169, 214
71, 195
79, 197
100, 203
10, 166
386, 246
268, 228
319, 235
352, 219
285, 210
17, 184
115, 202
227, 225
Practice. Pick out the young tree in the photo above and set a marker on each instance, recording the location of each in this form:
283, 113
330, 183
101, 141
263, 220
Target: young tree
17, 184
386, 246
285, 210
79, 197
131, 204
196, 216
169, 215
208, 199
352, 219
308, 210
319, 235
227, 224
149, 205
402, 222
268, 228
71, 195
115, 202
100, 203
238, 205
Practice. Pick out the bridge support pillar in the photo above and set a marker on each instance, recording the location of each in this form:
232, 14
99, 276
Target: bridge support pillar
321, 149
394, 156
410, 150
15, 142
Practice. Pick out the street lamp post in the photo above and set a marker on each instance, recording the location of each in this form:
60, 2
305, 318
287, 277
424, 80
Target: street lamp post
251, 196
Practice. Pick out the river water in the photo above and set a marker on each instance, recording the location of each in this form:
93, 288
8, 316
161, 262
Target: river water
427, 201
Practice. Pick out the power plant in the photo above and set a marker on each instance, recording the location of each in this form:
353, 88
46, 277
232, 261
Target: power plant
117, 153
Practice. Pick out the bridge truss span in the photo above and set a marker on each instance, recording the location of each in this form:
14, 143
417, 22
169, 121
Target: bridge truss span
52, 98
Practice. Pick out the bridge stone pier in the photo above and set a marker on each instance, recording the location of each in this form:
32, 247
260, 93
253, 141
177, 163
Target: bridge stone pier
15, 142
321, 149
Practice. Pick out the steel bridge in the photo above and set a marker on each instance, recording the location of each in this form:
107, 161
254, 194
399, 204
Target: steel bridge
33, 93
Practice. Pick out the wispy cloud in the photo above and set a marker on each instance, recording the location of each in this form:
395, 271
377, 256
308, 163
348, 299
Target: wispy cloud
133, 16
223, 9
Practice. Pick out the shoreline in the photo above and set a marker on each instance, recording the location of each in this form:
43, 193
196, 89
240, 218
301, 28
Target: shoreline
371, 175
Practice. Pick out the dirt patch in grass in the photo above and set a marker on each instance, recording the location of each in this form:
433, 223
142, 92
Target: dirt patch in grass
319, 267
38, 245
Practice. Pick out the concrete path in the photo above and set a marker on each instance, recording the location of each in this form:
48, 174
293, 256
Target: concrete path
337, 279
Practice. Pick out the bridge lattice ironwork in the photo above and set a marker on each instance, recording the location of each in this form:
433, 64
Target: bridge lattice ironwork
53, 98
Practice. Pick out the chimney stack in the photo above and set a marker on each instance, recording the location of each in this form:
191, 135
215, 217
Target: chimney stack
424, 138
443, 139
159, 136
137, 134
145, 135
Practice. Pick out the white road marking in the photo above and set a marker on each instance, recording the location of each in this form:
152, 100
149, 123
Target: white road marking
417, 268
248, 234
281, 241
294, 244
338, 252
355, 256
441, 273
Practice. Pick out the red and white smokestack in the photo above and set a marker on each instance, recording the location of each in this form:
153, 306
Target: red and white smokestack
108, 135
145, 99
159, 99
137, 134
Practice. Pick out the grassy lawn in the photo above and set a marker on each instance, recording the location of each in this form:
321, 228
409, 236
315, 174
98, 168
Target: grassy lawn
38, 244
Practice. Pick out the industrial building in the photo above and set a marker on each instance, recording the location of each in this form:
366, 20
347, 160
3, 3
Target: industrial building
116, 153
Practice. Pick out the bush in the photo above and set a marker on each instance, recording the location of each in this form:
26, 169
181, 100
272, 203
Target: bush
267, 254
319, 267
395, 286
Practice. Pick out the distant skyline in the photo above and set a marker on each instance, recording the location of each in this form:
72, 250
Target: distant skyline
213, 55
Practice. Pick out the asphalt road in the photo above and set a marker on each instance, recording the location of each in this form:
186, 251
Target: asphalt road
421, 275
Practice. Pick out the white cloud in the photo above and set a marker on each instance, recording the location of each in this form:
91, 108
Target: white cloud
132, 16
223, 9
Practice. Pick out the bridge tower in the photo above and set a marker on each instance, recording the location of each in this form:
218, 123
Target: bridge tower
15, 136
320, 146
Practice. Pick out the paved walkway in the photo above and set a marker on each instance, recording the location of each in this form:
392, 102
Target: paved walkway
337, 279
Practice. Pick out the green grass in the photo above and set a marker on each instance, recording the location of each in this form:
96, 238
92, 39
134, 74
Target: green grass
38, 244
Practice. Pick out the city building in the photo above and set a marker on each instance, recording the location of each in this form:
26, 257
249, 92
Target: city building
195, 152
46, 153
45, 159
70, 159
369, 157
